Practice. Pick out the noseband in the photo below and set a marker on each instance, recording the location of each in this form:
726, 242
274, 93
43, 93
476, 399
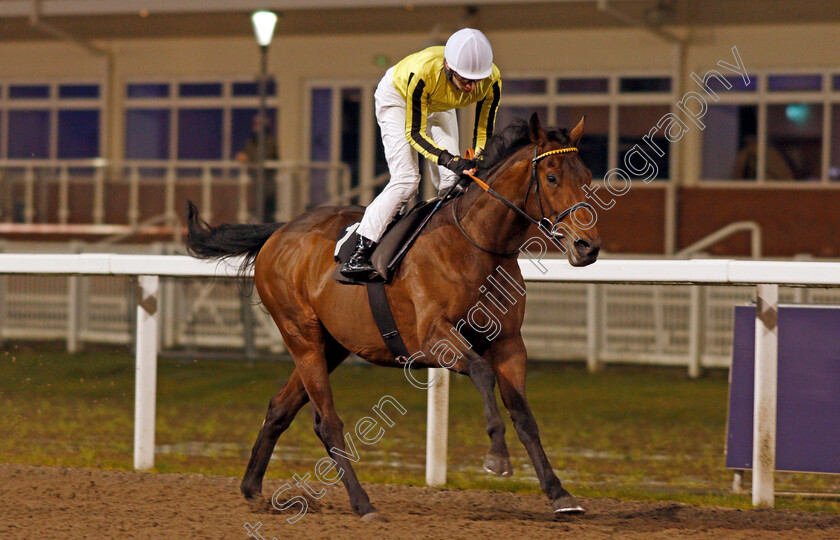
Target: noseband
544, 222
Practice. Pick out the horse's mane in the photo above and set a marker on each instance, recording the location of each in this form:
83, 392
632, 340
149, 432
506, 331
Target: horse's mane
508, 141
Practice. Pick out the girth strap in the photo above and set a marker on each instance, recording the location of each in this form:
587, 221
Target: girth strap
384, 318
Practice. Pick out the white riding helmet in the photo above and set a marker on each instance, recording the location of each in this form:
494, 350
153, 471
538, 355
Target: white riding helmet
469, 54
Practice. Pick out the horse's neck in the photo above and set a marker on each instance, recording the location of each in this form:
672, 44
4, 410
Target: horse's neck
489, 221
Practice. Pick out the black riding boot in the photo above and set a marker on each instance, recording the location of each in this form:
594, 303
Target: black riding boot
359, 265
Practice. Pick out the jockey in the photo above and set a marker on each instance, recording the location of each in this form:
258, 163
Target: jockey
415, 109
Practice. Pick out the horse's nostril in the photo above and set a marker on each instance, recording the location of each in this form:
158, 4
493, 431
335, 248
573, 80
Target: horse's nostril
583, 247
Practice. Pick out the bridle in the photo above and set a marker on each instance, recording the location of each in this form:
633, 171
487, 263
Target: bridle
544, 222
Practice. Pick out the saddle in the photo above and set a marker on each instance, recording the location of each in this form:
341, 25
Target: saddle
398, 238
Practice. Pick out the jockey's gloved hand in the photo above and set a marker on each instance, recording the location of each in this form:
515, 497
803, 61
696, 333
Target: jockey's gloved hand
456, 164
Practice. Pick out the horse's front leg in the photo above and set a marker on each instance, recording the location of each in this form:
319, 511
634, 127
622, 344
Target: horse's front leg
497, 460
508, 358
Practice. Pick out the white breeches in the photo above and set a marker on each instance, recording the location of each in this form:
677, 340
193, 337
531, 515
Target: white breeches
442, 127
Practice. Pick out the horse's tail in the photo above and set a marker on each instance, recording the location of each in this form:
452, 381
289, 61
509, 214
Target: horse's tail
230, 240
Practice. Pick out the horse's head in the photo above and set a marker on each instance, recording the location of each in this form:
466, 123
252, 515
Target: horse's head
556, 197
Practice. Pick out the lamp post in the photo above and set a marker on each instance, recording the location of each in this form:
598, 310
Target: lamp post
264, 22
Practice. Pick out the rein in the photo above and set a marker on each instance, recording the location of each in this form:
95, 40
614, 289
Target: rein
544, 221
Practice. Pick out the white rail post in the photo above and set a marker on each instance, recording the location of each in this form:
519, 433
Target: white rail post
146, 372
593, 328
764, 403
696, 330
73, 312
437, 426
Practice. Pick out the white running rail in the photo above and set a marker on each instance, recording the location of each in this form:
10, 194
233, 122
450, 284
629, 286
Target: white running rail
766, 275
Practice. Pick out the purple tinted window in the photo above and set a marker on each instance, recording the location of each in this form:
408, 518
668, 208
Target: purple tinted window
524, 86
250, 89
599, 85
29, 91
78, 134
789, 83
78, 91
640, 85
148, 90
714, 81
200, 89
200, 134
147, 134
29, 134
319, 142
837, 82
508, 114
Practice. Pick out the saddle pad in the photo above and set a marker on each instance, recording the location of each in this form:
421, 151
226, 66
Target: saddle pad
347, 239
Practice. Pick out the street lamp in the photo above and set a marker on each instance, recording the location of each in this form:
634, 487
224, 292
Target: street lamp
264, 22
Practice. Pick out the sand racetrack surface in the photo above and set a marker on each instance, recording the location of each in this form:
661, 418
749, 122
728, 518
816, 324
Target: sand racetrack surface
56, 502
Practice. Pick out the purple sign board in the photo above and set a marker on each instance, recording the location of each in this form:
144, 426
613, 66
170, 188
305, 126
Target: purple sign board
808, 398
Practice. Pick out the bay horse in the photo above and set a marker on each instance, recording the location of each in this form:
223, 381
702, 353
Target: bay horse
527, 172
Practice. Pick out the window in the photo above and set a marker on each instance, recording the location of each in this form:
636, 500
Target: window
794, 141
635, 122
524, 86
645, 85
594, 144
78, 133
29, 134
598, 85
51, 120
319, 141
192, 120
508, 114
147, 134
730, 147
834, 171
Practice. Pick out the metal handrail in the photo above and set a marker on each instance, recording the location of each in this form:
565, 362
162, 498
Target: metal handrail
738, 226
29, 173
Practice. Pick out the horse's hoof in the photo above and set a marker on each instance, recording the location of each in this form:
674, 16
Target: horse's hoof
250, 492
567, 506
375, 517
500, 466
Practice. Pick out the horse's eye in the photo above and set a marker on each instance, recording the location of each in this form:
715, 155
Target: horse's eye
552, 178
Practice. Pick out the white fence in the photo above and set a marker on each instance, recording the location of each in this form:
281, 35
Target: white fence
602, 323
767, 275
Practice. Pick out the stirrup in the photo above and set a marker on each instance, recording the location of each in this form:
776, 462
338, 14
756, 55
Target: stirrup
357, 269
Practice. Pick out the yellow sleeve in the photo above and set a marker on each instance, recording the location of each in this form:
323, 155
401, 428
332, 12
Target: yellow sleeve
416, 113
485, 115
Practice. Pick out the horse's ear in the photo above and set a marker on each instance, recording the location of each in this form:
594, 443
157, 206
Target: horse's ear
535, 129
577, 132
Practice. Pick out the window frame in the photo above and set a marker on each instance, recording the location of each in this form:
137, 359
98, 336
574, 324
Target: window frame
763, 97
613, 99
173, 103
54, 104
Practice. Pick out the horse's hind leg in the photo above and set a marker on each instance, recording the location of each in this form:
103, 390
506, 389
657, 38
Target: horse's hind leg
310, 351
281, 411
